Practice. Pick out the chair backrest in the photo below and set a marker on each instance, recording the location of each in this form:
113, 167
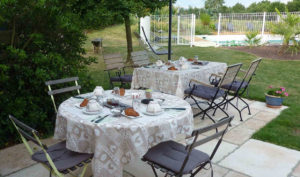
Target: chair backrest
140, 58
196, 141
62, 90
150, 46
230, 75
251, 70
113, 61
29, 134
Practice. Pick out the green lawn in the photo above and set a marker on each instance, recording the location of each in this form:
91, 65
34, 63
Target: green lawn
284, 130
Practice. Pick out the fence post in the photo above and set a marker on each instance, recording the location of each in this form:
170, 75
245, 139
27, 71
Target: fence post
191, 38
194, 28
219, 26
263, 26
178, 29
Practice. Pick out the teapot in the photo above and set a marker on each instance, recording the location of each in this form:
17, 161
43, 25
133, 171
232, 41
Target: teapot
153, 107
159, 63
98, 91
93, 106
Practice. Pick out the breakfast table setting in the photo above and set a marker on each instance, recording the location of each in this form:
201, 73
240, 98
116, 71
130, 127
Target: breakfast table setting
173, 77
120, 125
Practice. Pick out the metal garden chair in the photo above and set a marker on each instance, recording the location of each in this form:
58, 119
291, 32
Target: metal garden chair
156, 52
115, 63
239, 87
140, 58
212, 93
175, 159
62, 90
56, 158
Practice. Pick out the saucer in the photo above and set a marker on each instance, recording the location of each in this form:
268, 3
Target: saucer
91, 112
153, 114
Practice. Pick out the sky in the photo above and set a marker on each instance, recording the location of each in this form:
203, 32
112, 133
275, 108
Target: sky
200, 3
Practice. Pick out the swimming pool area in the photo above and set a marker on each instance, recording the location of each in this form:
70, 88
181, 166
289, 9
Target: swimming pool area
240, 40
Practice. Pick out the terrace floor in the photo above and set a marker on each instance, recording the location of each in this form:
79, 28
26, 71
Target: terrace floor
238, 155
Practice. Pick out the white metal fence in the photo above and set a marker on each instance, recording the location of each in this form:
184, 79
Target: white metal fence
240, 23
183, 29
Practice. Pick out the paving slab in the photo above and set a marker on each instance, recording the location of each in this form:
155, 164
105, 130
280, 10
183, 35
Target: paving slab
262, 106
235, 174
224, 149
261, 159
266, 116
238, 135
254, 124
296, 171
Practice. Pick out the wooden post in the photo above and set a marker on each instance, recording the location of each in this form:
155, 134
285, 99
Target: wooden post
219, 26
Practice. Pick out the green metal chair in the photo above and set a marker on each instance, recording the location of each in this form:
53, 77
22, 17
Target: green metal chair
55, 158
62, 90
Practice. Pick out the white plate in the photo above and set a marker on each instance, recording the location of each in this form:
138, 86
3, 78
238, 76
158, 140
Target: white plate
77, 105
91, 113
153, 114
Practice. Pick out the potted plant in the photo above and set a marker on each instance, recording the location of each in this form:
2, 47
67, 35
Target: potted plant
274, 96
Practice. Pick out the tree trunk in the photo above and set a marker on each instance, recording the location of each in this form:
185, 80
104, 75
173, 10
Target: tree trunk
128, 38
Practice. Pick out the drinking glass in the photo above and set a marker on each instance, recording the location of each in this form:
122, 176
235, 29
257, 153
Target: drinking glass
117, 90
196, 57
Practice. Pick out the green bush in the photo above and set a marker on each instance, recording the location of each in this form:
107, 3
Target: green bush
43, 47
252, 39
205, 19
202, 30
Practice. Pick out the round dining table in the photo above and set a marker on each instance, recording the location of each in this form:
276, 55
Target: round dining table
116, 141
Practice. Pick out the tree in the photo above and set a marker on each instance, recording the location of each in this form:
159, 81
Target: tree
294, 6
262, 6
238, 8
214, 5
139, 7
276, 5
45, 43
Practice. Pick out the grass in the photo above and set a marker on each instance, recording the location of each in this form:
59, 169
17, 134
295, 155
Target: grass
284, 130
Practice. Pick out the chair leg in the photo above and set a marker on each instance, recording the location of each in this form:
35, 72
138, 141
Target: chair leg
240, 112
247, 105
84, 170
154, 171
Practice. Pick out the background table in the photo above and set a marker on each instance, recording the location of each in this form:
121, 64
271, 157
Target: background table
117, 141
174, 82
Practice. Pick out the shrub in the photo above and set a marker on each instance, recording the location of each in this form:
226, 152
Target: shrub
43, 47
205, 19
252, 39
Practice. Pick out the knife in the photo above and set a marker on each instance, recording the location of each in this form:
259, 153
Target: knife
176, 108
99, 120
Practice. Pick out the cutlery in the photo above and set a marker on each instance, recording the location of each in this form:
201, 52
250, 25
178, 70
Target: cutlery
99, 120
176, 108
96, 118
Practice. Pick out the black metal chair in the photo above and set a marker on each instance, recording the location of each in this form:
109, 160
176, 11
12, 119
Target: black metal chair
239, 87
212, 93
156, 52
55, 158
62, 90
115, 63
175, 159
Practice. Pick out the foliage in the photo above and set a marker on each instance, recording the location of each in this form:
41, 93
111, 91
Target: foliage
277, 91
127, 7
202, 30
214, 5
294, 5
288, 27
46, 44
205, 19
252, 39
238, 8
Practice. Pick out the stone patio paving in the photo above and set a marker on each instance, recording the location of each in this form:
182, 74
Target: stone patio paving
238, 155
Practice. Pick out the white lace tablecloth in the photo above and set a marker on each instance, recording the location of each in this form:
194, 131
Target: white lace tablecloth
174, 82
118, 140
